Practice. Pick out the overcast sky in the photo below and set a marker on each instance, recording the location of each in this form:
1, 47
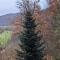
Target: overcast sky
9, 6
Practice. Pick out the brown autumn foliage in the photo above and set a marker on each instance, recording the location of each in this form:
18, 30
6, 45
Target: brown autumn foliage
44, 18
16, 25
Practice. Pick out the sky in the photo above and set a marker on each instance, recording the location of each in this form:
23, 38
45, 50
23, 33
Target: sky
44, 4
9, 6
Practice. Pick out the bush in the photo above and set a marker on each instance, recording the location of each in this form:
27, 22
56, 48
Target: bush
4, 38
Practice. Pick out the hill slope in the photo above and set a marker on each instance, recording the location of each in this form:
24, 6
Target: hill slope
7, 19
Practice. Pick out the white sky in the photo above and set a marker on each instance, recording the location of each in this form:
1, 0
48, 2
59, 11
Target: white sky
43, 4
9, 6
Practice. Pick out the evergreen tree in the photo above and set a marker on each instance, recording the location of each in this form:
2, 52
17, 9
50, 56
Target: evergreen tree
31, 42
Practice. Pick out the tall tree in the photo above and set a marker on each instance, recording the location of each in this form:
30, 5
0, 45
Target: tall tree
31, 43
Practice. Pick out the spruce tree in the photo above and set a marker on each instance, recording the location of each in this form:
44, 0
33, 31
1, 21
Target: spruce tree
31, 47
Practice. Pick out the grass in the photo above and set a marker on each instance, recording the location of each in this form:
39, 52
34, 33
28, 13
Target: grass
4, 38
